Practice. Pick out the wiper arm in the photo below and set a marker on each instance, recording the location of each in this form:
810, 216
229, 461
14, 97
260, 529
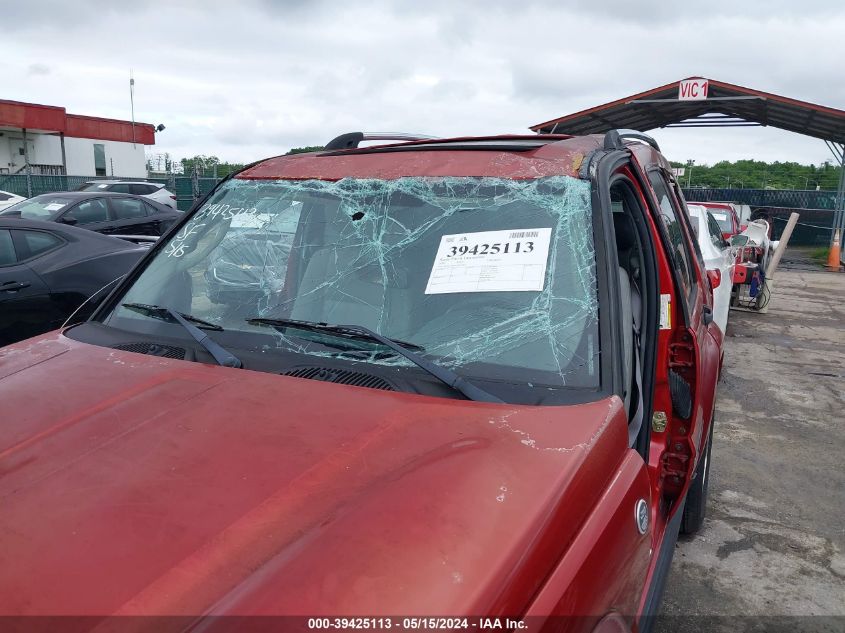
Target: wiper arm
441, 373
222, 356
161, 312
346, 331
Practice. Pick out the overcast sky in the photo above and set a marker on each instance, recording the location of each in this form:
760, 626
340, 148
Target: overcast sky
247, 79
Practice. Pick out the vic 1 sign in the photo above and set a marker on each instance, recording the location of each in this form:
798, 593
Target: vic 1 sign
693, 89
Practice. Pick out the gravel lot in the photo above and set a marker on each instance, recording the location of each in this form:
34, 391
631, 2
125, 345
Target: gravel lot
771, 555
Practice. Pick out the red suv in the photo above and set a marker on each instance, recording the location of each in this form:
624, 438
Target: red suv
465, 377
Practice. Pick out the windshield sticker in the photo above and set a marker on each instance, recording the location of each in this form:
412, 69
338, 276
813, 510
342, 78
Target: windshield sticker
491, 261
54, 206
665, 312
721, 216
102, 186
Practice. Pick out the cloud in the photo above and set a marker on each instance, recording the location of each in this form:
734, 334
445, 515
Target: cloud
38, 69
251, 79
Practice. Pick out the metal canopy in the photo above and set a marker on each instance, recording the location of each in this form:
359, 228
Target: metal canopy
726, 105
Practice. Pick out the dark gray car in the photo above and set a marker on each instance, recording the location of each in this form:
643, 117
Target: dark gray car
103, 212
48, 270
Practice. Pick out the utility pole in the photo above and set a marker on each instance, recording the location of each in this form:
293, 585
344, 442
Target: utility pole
690, 163
132, 104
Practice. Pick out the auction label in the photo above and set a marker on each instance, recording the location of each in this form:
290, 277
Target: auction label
490, 261
665, 312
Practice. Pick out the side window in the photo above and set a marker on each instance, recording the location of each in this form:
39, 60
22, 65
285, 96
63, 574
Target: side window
715, 232
679, 255
693, 219
128, 208
89, 212
36, 242
151, 210
7, 249
142, 190
120, 187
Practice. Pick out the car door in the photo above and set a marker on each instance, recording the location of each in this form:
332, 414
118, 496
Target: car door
24, 297
91, 214
693, 349
721, 259
132, 216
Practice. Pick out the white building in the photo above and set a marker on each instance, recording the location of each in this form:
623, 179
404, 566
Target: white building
47, 140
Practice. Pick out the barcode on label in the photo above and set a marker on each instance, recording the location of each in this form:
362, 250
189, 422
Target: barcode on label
522, 234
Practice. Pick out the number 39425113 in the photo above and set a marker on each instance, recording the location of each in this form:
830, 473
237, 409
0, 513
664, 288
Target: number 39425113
491, 249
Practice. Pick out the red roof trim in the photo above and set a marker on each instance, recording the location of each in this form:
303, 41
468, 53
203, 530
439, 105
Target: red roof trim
647, 93
36, 116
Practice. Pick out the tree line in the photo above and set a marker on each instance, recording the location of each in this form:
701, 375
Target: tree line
756, 174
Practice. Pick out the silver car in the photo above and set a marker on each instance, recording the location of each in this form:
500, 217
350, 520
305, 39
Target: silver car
153, 190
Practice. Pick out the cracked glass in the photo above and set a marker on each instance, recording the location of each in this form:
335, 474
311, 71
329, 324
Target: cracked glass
362, 252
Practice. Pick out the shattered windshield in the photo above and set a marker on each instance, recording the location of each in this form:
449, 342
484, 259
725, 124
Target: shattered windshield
491, 277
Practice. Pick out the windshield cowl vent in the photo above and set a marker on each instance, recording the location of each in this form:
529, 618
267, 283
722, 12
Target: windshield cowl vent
341, 376
152, 349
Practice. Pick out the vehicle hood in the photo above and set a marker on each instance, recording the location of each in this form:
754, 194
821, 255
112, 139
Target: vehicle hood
133, 484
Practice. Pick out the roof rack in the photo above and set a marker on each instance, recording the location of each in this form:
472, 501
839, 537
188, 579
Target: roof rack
350, 140
613, 138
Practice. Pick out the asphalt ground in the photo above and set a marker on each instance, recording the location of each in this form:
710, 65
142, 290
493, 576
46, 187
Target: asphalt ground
771, 553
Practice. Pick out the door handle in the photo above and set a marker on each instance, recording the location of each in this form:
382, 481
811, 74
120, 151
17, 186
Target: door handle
14, 286
707, 315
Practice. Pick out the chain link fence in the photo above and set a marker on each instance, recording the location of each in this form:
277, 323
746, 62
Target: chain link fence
816, 209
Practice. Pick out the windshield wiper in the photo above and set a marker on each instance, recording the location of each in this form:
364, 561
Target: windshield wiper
223, 357
346, 331
400, 347
163, 313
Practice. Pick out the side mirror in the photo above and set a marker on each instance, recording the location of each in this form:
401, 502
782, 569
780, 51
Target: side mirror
68, 220
715, 277
739, 240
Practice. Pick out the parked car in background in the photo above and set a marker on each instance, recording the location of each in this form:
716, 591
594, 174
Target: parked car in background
484, 385
726, 216
719, 259
152, 190
48, 270
110, 213
8, 199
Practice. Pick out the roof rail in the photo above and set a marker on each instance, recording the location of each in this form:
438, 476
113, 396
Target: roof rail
351, 140
613, 138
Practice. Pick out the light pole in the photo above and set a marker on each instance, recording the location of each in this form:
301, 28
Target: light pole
690, 163
729, 183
